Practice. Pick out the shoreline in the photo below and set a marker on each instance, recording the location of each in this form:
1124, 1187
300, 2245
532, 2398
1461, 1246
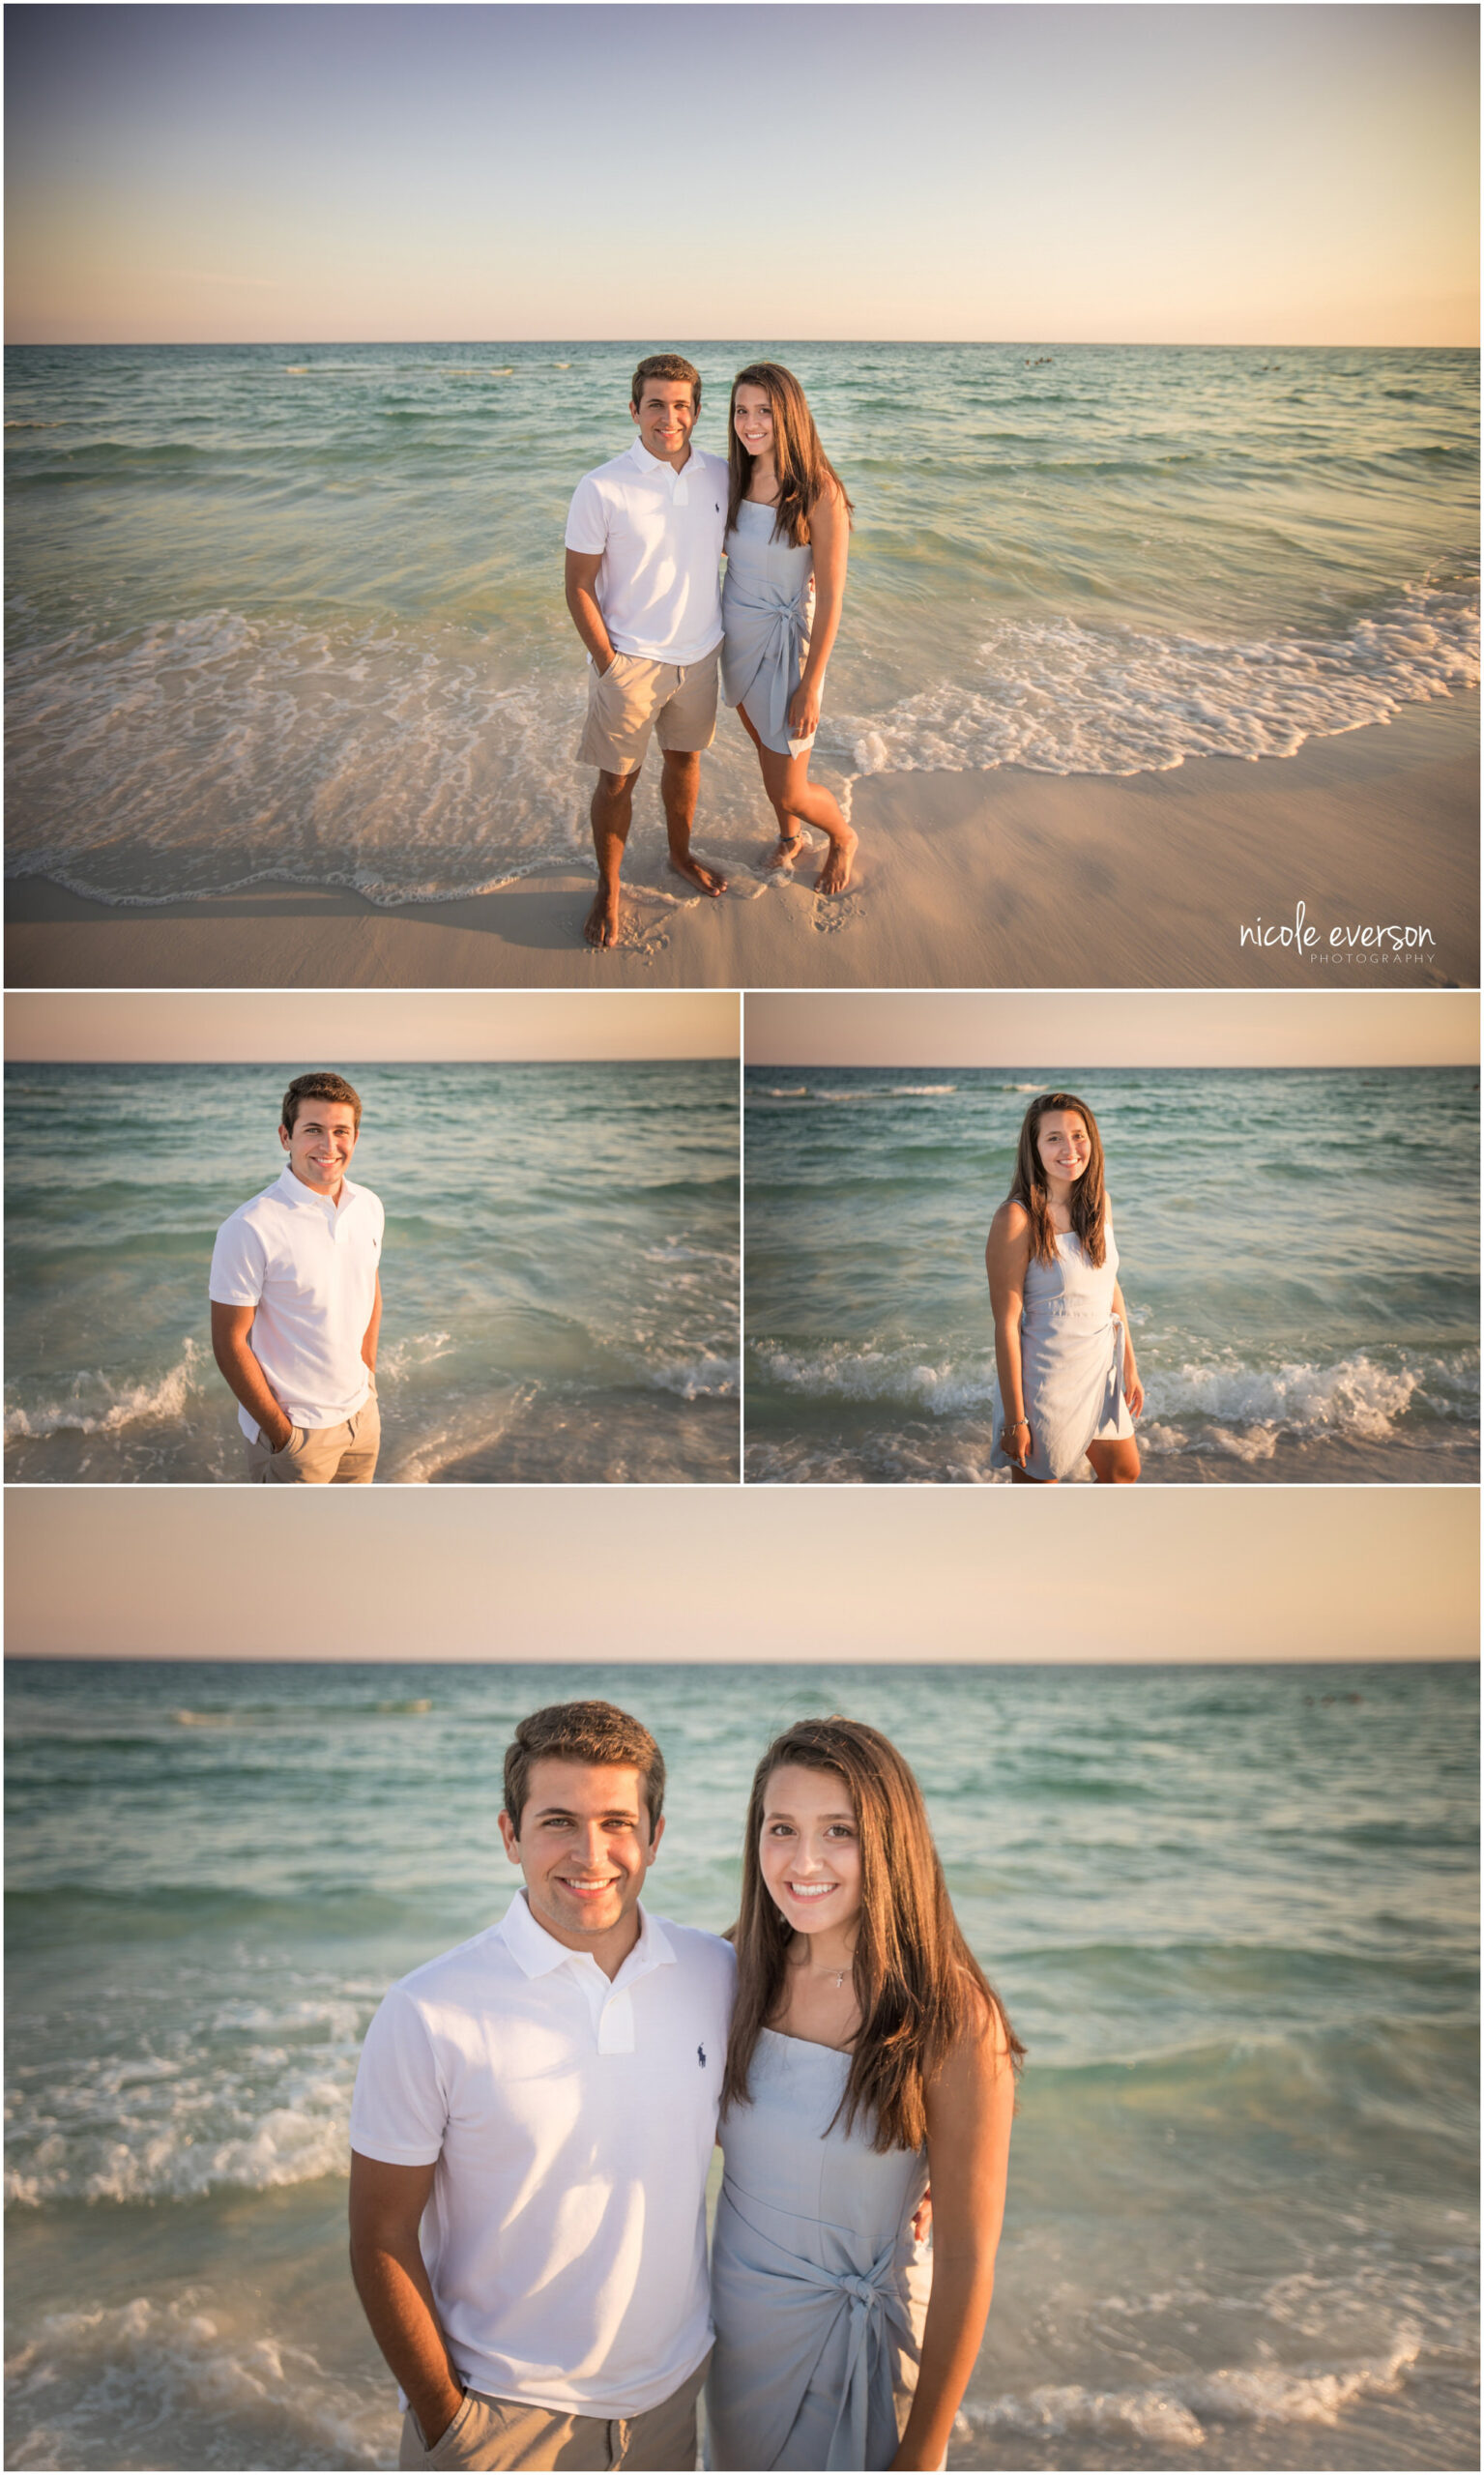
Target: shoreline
1002, 880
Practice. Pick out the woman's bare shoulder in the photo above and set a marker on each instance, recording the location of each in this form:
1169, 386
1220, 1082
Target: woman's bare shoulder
1011, 1222
830, 501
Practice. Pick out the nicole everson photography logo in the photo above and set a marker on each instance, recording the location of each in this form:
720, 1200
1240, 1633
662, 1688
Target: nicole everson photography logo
1381, 936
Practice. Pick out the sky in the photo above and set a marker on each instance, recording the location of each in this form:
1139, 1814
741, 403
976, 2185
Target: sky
1053, 1032
396, 1025
1263, 175
627, 1573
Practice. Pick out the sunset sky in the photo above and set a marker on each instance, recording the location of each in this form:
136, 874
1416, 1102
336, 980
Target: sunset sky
401, 1026
1138, 174
1053, 1031
627, 1573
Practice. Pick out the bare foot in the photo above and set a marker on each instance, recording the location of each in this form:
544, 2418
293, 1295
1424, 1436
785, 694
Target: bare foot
834, 876
601, 925
787, 850
704, 879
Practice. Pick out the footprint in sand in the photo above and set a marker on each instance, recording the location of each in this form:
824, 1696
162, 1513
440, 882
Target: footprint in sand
833, 911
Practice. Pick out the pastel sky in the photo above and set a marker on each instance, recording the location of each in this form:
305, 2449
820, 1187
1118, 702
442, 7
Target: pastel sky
626, 1574
1050, 1032
1149, 174
375, 1027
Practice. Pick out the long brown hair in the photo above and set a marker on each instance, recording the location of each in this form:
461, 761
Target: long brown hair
803, 469
918, 1987
1089, 1205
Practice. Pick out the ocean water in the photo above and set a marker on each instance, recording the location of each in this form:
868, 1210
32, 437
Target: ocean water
294, 613
1298, 1256
560, 1271
1232, 1913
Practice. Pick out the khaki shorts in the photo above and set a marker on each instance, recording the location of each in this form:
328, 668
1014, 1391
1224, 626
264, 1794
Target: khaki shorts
501, 2432
637, 696
339, 1456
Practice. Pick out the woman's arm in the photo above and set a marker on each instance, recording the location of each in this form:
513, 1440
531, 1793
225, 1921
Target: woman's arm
969, 2108
1006, 1256
830, 536
1133, 1390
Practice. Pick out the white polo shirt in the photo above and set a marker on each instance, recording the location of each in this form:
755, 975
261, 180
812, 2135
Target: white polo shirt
572, 2122
309, 1267
661, 535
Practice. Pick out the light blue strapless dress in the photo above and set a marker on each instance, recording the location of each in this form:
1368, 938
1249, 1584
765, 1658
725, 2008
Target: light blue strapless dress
767, 613
819, 2290
1072, 1356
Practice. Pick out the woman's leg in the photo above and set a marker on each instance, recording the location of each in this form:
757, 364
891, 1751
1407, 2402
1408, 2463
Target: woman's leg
795, 801
1115, 1461
790, 839
1025, 1478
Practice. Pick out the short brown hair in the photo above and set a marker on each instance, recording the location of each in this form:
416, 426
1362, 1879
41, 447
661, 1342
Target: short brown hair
593, 1731
665, 364
318, 1086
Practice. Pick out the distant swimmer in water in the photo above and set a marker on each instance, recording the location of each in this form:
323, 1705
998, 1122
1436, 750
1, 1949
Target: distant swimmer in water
787, 540
1068, 1387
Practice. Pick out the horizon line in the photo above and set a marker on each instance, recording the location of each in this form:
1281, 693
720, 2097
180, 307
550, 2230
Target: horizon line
1042, 343
1109, 1065
767, 1658
725, 1057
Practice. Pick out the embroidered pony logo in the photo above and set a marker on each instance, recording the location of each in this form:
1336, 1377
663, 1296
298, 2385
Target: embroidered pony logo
701, 2057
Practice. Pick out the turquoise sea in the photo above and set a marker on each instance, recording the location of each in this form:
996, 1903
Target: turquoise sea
1298, 1256
294, 613
1232, 1913
559, 1269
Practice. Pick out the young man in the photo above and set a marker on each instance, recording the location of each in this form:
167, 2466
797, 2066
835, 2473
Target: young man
296, 1301
644, 537
543, 2103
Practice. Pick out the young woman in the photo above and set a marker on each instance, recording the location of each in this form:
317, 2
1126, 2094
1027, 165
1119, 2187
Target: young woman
1068, 1387
788, 532
868, 2057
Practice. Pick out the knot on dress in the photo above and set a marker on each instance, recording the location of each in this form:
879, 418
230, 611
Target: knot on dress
766, 645
873, 2299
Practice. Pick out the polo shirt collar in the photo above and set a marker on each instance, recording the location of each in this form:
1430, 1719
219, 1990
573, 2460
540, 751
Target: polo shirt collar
292, 1189
538, 1952
649, 463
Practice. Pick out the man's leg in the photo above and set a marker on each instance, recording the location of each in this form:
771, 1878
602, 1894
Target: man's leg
357, 1466
680, 784
309, 1458
612, 813
685, 727
664, 2438
504, 2433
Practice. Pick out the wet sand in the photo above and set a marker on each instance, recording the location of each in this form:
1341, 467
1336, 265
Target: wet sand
1004, 880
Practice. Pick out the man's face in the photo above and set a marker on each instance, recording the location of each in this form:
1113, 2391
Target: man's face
666, 416
320, 1147
584, 1847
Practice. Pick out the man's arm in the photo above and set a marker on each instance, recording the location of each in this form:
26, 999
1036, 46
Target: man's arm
230, 1326
373, 1330
582, 568
386, 2208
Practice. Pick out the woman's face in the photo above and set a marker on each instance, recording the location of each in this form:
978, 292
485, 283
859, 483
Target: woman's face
810, 1849
1064, 1145
752, 419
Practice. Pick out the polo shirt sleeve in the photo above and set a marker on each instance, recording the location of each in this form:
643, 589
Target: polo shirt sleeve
586, 518
238, 1264
399, 2111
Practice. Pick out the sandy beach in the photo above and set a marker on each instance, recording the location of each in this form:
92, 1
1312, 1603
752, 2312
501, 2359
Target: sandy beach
1008, 879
